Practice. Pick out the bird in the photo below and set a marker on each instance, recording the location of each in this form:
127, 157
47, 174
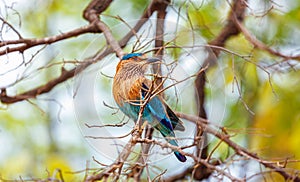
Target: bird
130, 87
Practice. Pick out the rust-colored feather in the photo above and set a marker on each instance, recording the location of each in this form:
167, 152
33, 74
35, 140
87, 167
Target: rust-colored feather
135, 90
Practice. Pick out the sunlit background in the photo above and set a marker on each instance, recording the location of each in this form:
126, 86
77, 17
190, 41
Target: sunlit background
257, 98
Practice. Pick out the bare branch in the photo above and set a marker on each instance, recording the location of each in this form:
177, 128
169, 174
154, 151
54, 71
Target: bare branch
91, 14
95, 7
12, 27
86, 63
230, 29
237, 148
29, 43
119, 162
258, 44
196, 159
161, 13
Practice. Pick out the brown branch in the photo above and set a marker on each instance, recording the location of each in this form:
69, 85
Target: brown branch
91, 14
237, 12
138, 168
154, 5
159, 43
12, 27
65, 75
33, 93
110, 39
95, 7
198, 161
118, 164
29, 43
258, 44
203, 123
127, 150
230, 29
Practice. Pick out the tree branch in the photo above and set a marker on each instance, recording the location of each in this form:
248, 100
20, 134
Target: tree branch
33, 93
204, 123
230, 29
95, 7
159, 43
258, 44
91, 14
29, 43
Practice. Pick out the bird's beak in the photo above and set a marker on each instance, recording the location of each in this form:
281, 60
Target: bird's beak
152, 60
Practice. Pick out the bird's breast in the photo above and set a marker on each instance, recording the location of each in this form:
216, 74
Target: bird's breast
126, 90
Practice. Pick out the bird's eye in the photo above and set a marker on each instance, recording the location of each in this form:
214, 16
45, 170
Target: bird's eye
135, 58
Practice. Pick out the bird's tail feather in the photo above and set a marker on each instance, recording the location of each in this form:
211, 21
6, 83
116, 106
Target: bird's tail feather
173, 142
179, 156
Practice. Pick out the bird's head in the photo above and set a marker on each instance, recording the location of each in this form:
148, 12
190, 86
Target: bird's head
135, 60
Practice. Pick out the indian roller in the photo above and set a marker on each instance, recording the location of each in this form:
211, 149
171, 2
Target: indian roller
130, 87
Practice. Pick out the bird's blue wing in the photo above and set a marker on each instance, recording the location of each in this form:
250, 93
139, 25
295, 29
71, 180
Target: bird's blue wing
157, 109
165, 110
177, 124
164, 125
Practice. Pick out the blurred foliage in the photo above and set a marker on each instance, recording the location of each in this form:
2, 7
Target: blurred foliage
270, 92
206, 18
280, 117
262, 94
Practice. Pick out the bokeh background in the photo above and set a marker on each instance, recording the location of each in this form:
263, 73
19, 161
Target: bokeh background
256, 98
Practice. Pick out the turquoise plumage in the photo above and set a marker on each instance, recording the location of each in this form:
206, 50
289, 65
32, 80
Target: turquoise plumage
130, 86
